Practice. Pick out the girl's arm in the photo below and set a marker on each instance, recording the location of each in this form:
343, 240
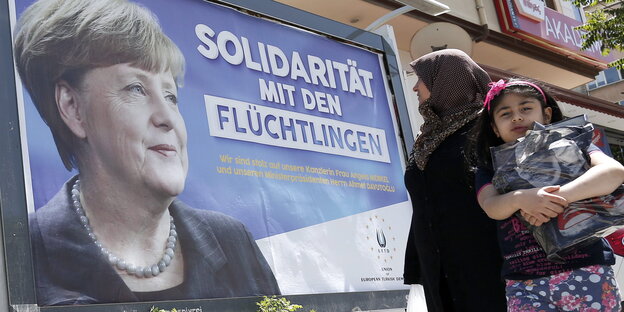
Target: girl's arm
604, 176
540, 203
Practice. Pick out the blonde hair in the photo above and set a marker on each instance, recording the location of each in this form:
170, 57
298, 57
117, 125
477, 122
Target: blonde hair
63, 39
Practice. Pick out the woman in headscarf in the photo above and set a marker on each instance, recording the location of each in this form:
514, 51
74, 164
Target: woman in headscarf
104, 77
452, 248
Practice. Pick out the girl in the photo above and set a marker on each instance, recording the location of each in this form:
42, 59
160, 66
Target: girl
585, 282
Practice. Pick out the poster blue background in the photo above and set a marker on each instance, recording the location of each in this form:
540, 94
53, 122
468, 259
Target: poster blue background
266, 206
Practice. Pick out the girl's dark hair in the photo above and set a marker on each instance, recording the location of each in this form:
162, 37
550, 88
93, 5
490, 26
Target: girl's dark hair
482, 136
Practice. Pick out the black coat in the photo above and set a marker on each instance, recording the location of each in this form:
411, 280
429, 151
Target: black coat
452, 248
221, 259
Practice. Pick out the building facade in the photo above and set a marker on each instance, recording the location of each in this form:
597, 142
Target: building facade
506, 40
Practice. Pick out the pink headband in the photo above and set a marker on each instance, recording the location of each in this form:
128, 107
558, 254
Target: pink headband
497, 87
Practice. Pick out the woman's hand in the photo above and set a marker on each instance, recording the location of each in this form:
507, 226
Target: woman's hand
539, 205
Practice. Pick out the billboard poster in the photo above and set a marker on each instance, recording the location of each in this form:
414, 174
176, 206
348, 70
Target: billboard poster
285, 131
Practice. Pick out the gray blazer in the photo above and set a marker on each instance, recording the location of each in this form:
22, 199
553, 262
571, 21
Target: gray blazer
221, 258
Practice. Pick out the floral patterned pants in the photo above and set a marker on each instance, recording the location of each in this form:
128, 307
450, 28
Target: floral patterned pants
588, 289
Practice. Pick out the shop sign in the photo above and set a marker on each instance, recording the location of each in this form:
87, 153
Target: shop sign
532, 9
532, 21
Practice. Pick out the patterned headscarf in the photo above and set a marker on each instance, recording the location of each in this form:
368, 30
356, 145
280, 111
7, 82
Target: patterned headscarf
457, 86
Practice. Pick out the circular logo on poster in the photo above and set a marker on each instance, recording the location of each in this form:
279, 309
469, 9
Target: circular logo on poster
380, 239
381, 244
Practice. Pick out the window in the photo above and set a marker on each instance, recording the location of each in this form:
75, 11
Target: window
605, 77
551, 4
612, 75
567, 8
577, 14
599, 82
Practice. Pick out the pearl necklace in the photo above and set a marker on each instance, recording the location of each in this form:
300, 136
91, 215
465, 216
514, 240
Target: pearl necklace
122, 265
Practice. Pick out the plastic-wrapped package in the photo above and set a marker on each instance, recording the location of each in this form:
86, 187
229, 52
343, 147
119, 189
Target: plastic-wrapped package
555, 154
